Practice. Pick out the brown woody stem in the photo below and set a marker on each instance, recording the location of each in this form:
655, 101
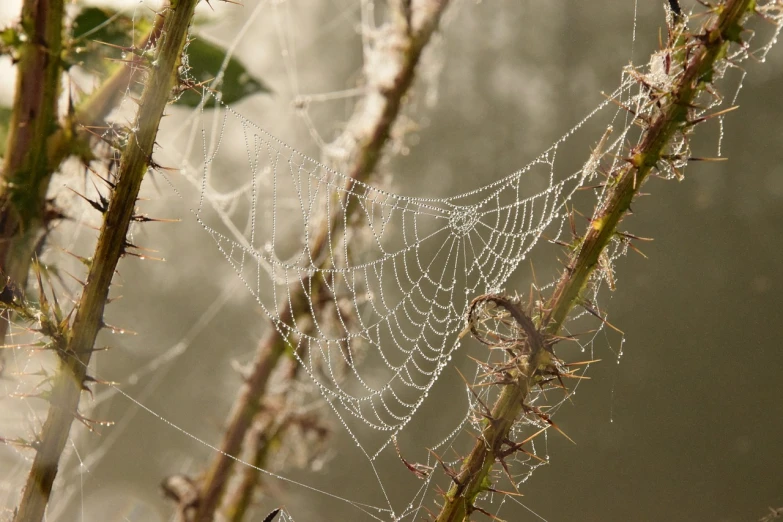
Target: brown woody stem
369, 130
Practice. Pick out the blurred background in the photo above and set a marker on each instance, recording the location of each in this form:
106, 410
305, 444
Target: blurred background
681, 421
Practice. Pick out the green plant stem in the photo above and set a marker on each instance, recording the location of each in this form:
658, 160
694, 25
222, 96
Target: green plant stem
706, 49
26, 174
369, 130
70, 376
64, 141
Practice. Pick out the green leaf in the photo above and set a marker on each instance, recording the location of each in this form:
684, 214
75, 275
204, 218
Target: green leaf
205, 60
94, 27
102, 24
5, 122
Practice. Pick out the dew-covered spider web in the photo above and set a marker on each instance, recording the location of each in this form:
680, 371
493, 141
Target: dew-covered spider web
369, 285
373, 314
363, 285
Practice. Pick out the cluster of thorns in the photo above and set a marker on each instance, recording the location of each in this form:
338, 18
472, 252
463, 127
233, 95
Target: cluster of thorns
501, 323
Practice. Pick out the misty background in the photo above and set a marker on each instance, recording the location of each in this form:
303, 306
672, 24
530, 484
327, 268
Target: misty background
688, 425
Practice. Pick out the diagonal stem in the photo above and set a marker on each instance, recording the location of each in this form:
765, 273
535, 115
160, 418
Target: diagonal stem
74, 359
97, 106
705, 50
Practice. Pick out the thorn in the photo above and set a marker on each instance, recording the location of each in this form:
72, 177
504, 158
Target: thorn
697, 158
91, 423
572, 375
143, 218
82, 283
512, 493
90, 379
109, 183
592, 187
517, 446
141, 256
429, 512
619, 104
84, 260
488, 412
115, 46
628, 235
271, 516
117, 330
20, 443
156, 166
709, 116
508, 474
633, 247
487, 513
421, 471
450, 472
101, 207
546, 418
594, 312
582, 363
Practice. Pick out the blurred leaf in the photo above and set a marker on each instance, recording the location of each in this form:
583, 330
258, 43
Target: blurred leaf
102, 24
205, 59
96, 26
5, 121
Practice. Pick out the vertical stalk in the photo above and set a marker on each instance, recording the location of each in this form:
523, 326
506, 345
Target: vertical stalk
26, 174
74, 359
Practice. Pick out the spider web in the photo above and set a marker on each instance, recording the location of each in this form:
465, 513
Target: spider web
382, 293
370, 286
395, 287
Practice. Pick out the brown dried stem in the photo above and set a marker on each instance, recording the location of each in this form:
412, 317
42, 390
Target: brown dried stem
369, 130
705, 50
69, 380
